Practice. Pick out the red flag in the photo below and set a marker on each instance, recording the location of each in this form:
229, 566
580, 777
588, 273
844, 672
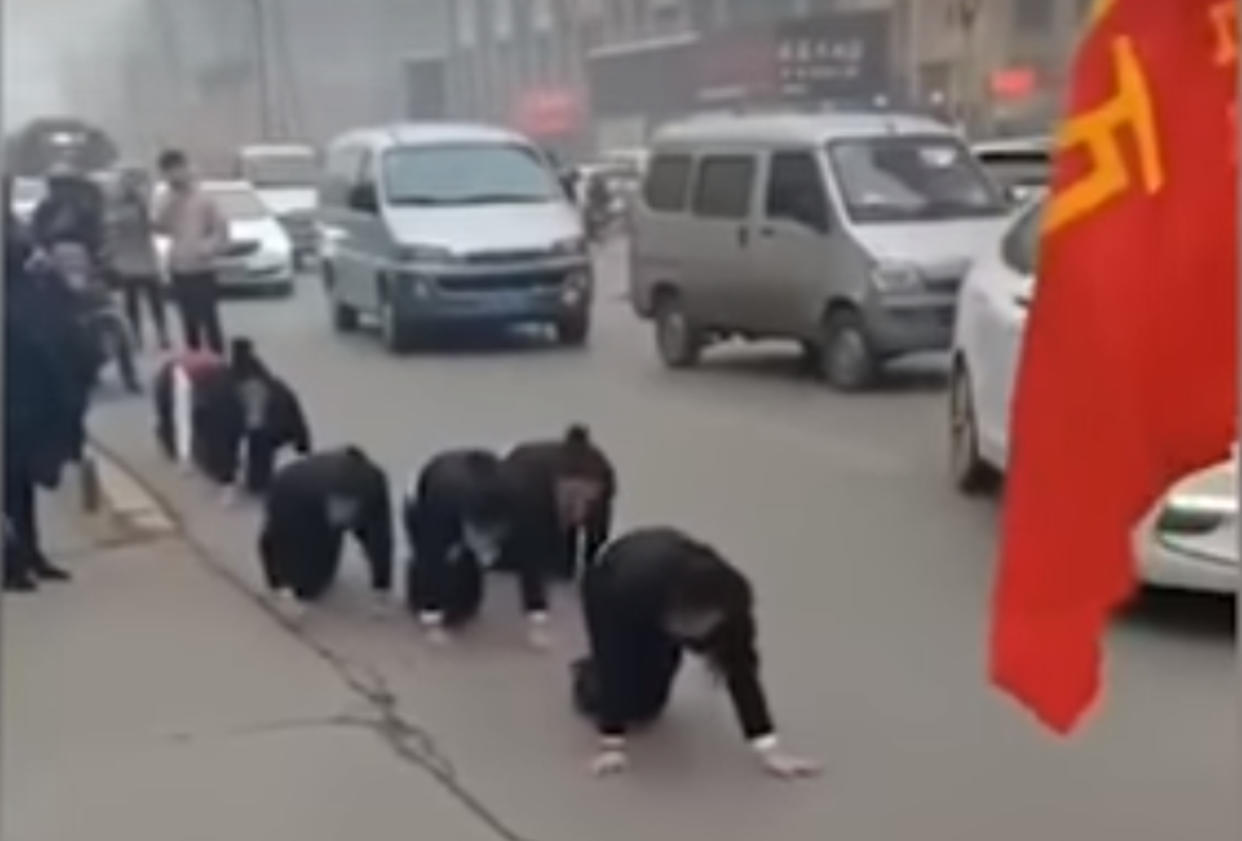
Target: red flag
1128, 377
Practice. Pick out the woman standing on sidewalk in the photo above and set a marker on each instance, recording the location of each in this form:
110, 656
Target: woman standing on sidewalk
131, 244
39, 412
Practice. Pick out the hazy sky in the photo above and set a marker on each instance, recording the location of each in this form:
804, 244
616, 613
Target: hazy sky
39, 36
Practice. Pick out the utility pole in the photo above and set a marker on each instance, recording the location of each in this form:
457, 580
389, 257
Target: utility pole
964, 17
263, 91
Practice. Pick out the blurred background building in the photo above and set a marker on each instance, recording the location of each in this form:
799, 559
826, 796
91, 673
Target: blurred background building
579, 75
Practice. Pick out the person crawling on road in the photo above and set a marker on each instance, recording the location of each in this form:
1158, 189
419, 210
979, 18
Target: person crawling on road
459, 515
312, 504
653, 595
212, 413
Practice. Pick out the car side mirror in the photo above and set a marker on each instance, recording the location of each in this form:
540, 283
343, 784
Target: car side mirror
363, 197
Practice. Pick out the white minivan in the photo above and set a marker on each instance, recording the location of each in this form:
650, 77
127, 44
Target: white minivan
435, 224
849, 233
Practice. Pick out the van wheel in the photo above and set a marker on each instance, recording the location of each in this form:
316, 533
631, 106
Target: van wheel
846, 357
679, 342
394, 331
971, 474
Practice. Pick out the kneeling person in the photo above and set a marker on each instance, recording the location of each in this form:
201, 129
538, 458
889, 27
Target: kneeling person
311, 505
653, 595
459, 518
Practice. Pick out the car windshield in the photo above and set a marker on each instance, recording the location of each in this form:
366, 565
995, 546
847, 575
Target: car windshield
905, 179
239, 205
467, 174
287, 169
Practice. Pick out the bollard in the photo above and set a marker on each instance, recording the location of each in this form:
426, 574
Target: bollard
88, 478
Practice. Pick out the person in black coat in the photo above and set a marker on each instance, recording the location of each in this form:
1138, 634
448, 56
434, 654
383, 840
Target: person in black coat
234, 408
564, 491
458, 515
43, 409
653, 595
272, 416
311, 505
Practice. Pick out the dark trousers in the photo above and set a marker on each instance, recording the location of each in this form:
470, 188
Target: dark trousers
139, 288
198, 301
651, 674
261, 450
22, 551
300, 558
453, 587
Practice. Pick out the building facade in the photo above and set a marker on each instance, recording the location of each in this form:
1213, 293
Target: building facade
585, 75
211, 75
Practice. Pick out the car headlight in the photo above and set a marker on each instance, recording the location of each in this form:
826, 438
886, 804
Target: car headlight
573, 246
897, 277
424, 254
1195, 513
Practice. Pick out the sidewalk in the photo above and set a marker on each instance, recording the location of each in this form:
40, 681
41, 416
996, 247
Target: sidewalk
151, 699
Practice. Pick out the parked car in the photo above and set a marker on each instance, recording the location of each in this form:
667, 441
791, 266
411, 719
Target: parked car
259, 256
849, 233
1190, 539
987, 343
435, 224
286, 177
1022, 167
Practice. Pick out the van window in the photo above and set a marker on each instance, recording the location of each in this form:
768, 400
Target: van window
796, 190
668, 182
468, 173
912, 179
724, 187
1021, 245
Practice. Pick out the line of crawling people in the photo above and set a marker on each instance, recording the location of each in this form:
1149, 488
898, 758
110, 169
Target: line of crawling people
541, 513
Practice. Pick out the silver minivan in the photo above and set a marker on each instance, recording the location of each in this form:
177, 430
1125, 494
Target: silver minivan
849, 233
435, 224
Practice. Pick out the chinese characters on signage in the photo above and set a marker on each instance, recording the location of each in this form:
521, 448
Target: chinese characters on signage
838, 56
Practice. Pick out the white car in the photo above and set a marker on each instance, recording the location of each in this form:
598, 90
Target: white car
286, 177
987, 341
259, 256
1189, 541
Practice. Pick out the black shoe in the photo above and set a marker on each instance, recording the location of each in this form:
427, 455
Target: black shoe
19, 583
47, 571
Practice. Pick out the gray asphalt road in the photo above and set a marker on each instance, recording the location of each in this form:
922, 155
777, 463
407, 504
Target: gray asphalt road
873, 579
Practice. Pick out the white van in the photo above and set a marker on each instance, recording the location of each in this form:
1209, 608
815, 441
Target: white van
286, 177
434, 224
849, 233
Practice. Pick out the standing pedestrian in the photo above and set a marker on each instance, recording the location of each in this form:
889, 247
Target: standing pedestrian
41, 414
198, 233
131, 239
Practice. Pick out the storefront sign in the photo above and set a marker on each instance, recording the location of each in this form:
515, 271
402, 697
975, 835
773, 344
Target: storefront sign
842, 56
548, 112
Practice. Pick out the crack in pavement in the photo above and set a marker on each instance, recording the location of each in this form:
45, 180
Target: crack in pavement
413, 745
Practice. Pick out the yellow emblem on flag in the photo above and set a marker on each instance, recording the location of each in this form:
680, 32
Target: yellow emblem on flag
1096, 133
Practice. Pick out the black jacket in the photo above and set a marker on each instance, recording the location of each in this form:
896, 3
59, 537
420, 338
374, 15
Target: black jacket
626, 595
298, 498
49, 368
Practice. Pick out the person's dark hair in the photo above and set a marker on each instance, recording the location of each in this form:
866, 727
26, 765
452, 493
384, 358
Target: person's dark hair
172, 159
244, 361
707, 582
579, 458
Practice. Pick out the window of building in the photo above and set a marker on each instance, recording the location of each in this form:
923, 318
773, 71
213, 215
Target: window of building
1033, 15
667, 183
725, 185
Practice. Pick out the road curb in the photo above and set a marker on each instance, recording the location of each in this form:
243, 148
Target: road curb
111, 489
